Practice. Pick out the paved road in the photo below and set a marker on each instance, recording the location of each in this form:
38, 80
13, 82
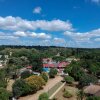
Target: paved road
49, 85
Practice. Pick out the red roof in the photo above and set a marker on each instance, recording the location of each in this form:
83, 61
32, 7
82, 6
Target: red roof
61, 64
48, 65
29, 67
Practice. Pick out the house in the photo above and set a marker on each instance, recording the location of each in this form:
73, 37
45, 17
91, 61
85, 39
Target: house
92, 90
48, 63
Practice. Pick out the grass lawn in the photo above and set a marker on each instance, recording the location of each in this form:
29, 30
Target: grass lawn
72, 90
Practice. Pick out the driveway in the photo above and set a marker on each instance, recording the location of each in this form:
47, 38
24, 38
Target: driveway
48, 86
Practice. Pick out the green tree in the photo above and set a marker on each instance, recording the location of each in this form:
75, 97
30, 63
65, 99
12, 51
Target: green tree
52, 73
36, 62
4, 94
25, 74
80, 95
20, 88
44, 76
69, 79
87, 79
43, 96
3, 78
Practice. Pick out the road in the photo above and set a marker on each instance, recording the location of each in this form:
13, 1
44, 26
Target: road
49, 85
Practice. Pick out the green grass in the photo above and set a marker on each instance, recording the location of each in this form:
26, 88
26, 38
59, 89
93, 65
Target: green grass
54, 88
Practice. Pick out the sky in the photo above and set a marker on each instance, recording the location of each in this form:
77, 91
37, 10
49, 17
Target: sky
67, 23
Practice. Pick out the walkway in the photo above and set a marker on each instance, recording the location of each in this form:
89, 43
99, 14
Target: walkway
48, 86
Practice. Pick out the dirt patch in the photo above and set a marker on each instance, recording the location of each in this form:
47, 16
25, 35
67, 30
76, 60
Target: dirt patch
72, 90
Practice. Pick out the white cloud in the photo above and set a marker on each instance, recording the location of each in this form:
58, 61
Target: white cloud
96, 1
37, 10
8, 37
19, 24
59, 40
20, 34
97, 39
40, 35
83, 37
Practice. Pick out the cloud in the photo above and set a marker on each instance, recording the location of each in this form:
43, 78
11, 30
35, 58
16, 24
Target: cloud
59, 40
83, 37
19, 24
8, 37
37, 10
97, 39
20, 34
40, 35
32, 34
96, 1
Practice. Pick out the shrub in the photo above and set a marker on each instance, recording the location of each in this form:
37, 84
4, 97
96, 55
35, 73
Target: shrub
44, 76
67, 94
93, 98
4, 94
69, 79
25, 74
35, 82
43, 96
52, 73
20, 87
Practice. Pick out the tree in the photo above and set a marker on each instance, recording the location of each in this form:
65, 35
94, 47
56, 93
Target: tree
69, 79
3, 78
52, 73
87, 79
36, 62
20, 88
44, 76
25, 74
35, 82
80, 95
58, 58
4, 94
43, 96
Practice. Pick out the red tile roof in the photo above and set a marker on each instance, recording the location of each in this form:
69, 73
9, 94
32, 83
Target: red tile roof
59, 65
29, 67
49, 65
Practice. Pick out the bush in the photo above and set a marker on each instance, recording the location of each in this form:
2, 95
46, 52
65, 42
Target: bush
35, 82
44, 76
52, 73
67, 94
25, 74
20, 87
93, 98
43, 96
4, 94
69, 79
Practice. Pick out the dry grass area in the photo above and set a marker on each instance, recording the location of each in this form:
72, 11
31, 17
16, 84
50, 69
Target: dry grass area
10, 83
72, 90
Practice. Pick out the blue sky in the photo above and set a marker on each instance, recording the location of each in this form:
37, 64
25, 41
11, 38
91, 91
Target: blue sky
71, 23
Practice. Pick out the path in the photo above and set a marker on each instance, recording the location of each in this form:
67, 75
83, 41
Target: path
48, 86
